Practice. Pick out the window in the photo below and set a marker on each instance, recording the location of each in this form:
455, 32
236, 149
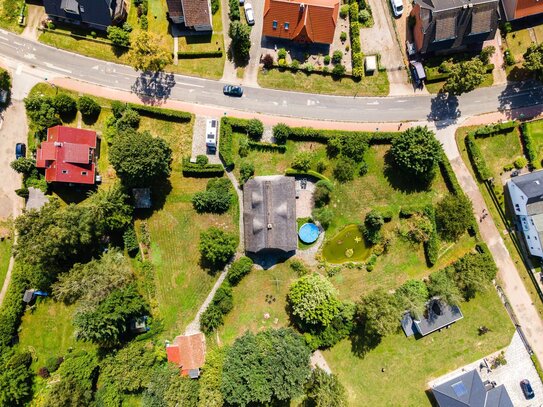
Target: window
287, 25
274, 24
528, 236
83, 172
65, 171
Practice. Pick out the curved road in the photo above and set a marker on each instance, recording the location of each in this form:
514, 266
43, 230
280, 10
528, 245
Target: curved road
20, 53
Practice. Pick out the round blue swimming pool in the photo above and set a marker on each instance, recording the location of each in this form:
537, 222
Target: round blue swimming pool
309, 232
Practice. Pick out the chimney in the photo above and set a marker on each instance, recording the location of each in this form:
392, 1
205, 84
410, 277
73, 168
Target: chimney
302, 6
57, 144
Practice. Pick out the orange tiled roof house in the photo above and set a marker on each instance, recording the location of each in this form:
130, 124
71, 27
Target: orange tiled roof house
188, 353
304, 21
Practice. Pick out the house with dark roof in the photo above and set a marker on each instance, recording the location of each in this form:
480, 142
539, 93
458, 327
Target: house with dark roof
443, 26
468, 390
526, 198
305, 21
516, 9
194, 14
438, 315
188, 353
97, 14
68, 155
269, 214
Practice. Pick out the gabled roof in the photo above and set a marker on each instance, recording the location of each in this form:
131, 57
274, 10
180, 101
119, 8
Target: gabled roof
269, 214
68, 155
468, 390
187, 352
196, 12
438, 315
95, 12
531, 185
175, 8
312, 21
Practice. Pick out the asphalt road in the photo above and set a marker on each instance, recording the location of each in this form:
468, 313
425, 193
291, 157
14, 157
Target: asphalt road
20, 53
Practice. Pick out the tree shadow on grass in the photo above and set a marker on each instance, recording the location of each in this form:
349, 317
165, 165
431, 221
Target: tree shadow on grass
361, 343
90, 120
159, 194
154, 88
118, 51
400, 181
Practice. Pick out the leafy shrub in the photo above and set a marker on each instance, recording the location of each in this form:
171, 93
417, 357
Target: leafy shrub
282, 53
215, 4
299, 267
302, 161
344, 169
223, 298
202, 159
321, 195
117, 108
339, 70
234, 14
216, 247
363, 170
129, 119
43, 373
255, 129
529, 147
130, 241
344, 11
211, 319
65, 104
246, 171
267, 61
280, 133
477, 159
239, 269
118, 36
337, 57
88, 107
372, 227
324, 216
327, 59
520, 162
295, 65
343, 37
486, 53
144, 22
225, 146
321, 166
364, 16
217, 197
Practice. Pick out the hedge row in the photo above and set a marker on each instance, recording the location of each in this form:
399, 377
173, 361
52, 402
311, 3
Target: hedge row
436, 76
493, 129
12, 309
309, 71
199, 54
202, 171
160, 113
261, 146
477, 159
309, 173
357, 60
528, 143
322, 136
431, 246
226, 148
449, 176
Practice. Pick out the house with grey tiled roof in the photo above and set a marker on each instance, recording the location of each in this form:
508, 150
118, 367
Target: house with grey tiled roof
453, 25
269, 214
438, 315
526, 194
194, 14
97, 14
468, 390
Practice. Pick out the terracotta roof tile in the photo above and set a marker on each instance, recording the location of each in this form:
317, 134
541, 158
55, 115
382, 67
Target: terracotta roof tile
187, 352
196, 12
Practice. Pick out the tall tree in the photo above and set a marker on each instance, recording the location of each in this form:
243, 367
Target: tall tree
271, 366
417, 152
454, 214
474, 272
324, 390
241, 40
217, 247
442, 284
140, 159
412, 296
15, 378
533, 60
211, 380
148, 53
110, 209
313, 300
379, 314
465, 77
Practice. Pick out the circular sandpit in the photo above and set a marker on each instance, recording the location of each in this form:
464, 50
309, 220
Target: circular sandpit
309, 232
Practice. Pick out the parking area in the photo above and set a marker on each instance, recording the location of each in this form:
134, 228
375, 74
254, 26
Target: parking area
304, 197
199, 141
519, 366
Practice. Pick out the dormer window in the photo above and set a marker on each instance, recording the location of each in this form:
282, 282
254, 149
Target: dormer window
65, 171
83, 172
274, 24
286, 26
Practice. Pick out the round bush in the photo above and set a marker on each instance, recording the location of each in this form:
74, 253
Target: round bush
88, 107
255, 129
65, 104
344, 169
280, 133
239, 269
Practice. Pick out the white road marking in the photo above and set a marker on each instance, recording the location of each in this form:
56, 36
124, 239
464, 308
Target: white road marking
51, 66
189, 84
17, 43
19, 69
401, 101
96, 67
4, 38
29, 56
372, 103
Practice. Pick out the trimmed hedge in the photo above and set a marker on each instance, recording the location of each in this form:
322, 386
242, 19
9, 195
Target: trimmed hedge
160, 113
239, 269
322, 136
226, 143
261, 146
431, 246
449, 176
409, 210
310, 173
526, 137
493, 129
201, 171
199, 54
477, 159
12, 309
357, 59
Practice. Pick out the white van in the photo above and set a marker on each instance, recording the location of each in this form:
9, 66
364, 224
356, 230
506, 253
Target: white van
397, 7
249, 13
211, 135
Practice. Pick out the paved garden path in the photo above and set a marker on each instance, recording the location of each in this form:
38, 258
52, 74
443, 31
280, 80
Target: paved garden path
229, 72
510, 280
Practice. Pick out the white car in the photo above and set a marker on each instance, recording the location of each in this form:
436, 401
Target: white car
397, 7
249, 14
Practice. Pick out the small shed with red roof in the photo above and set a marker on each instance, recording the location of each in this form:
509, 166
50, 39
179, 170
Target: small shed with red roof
188, 353
68, 155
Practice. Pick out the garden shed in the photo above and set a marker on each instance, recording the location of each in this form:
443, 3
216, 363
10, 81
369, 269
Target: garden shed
370, 63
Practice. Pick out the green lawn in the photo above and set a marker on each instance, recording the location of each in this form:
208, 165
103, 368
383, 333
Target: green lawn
535, 132
159, 24
517, 42
5, 255
522, 271
500, 150
409, 364
436, 86
251, 303
9, 15
376, 85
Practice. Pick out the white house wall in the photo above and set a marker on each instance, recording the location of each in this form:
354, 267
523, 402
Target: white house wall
529, 231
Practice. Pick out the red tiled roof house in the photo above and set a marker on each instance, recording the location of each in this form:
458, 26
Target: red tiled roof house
195, 14
305, 21
68, 155
188, 353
